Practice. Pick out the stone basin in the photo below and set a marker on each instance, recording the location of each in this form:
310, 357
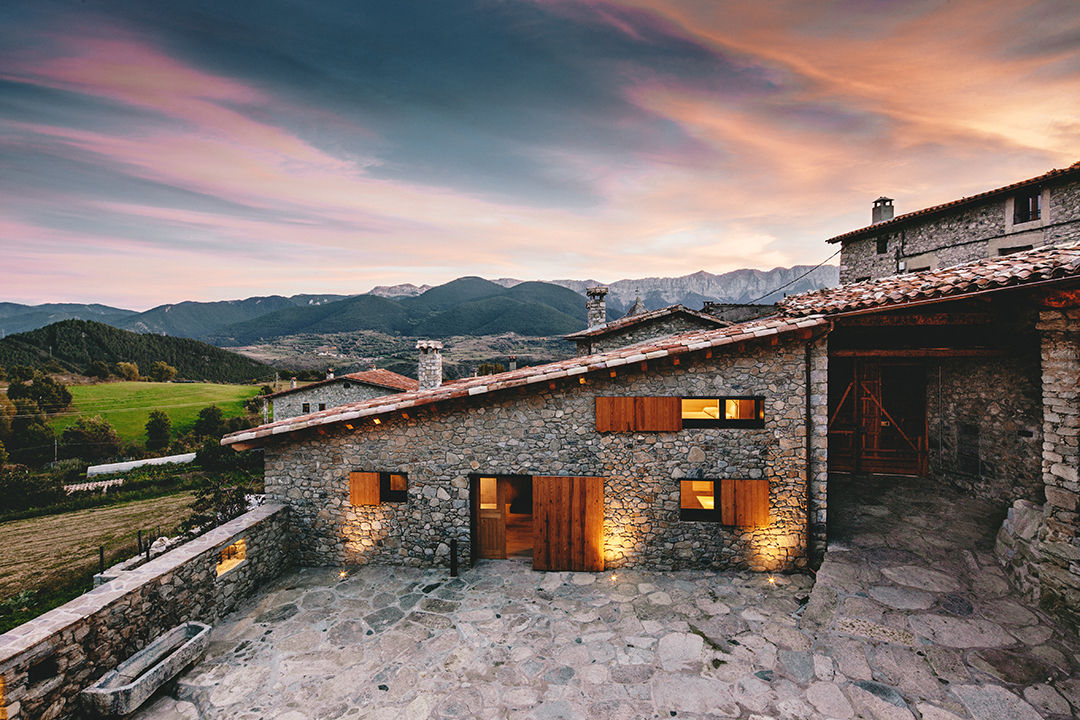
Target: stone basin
122, 690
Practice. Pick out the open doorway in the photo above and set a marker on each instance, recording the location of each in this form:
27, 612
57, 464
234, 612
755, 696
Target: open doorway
502, 516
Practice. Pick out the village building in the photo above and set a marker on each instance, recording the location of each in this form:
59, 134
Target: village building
334, 391
638, 325
1039, 211
712, 447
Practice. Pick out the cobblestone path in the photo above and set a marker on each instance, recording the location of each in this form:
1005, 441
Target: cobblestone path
910, 618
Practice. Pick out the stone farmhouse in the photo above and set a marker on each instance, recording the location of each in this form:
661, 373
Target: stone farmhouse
1031, 213
712, 448
335, 391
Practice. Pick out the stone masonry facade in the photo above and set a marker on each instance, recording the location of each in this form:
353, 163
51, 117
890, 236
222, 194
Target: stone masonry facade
331, 394
551, 431
46, 662
635, 334
1040, 544
978, 231
984, 422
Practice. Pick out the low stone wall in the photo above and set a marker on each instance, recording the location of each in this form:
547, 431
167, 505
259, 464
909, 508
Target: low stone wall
47, 661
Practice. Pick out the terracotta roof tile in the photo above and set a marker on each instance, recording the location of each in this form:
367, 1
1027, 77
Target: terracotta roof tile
377, 376
661, 347
889, 225
1020, 268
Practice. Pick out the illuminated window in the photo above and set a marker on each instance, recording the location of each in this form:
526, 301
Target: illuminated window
231, 556
375, 488
697, 500
729, 412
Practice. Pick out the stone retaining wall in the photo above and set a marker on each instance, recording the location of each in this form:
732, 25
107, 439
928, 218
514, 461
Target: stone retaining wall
47, 661
552, 431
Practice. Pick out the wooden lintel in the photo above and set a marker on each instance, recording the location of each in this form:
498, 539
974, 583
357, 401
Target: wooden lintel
936, 319
919, 352
238, 447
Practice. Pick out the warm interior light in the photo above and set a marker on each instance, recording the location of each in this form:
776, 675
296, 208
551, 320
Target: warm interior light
378, 421
581, 381
230, 557
348, 426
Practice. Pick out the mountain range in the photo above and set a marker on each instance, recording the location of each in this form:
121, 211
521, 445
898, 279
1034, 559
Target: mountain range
466, 306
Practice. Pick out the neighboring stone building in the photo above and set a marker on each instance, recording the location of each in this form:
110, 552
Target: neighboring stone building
1043, 210
640, 327
334, 391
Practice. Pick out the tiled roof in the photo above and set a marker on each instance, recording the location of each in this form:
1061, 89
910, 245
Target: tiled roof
632, 320
1073, 169
378, 377
523, 377
1046, 263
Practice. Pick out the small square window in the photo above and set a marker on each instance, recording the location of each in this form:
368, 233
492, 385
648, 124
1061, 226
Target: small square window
729, 412
375, 488
393, 487
305, 408
231, 556
697, 500
882, 244
1027, 207
322, 406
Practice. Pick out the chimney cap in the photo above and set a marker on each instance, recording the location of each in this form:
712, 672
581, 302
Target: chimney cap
425, 345
883, 200
597, 290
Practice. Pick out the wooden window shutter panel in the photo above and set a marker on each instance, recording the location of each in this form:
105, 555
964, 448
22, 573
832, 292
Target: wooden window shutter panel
745, 503
364, 488
614, 414
658, 414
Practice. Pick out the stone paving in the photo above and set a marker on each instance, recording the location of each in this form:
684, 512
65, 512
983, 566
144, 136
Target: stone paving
910, 617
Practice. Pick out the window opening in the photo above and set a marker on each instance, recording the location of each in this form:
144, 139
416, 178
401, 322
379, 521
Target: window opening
1028, 207
732, 412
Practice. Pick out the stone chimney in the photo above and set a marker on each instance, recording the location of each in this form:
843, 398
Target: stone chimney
429, 372
596, 307
330, 374
292, 384
883, 210
513, 362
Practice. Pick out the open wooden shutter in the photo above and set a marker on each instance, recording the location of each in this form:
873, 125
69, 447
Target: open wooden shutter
744, 503
364, 488
568, 523
645, 414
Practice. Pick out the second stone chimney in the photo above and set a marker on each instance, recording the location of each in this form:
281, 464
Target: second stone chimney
292, 384
513, 362
429, 372
330, 374
883, 210
596, 307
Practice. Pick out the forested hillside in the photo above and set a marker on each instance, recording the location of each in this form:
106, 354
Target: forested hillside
74, 345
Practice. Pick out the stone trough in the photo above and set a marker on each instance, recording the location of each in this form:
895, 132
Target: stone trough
121, 691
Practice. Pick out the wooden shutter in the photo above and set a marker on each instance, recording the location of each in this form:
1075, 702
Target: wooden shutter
568, 523
744, 503
645, 414
364, 488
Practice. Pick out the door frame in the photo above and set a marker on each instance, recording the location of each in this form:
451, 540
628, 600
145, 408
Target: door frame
474, 507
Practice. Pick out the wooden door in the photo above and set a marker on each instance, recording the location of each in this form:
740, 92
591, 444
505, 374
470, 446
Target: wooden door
877, 417
568, 523
491, 517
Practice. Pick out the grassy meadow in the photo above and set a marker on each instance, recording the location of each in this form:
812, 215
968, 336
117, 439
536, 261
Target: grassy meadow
127, 405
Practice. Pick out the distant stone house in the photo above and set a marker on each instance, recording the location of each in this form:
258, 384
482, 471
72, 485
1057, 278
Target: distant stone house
1039, 211
340, 390
636, 327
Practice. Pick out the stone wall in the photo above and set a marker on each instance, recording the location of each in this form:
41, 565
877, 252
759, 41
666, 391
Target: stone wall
47, 661
333, 394
551, 431
1041, 545
998, 398
967, 234
648, 330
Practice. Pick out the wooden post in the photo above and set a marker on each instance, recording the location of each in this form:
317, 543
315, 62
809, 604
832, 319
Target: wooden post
453, 557
101, 558
139, 541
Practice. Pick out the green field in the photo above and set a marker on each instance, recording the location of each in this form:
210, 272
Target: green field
127, 405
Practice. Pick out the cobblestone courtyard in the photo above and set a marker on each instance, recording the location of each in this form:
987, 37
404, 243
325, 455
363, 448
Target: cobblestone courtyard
910, 618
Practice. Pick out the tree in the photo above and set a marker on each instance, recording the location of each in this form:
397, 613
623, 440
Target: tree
32, 440
3, 457
49, 395
127, 370
90, 439
21, 373
99, 369
161, 371
158, 430
220, 500
7, 414
209, 422
22, 490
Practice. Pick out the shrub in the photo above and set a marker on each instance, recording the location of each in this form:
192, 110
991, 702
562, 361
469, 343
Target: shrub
217, 502
68, 472
127, 370
161, 371
3, 457
158, 430
208, 423
22, 490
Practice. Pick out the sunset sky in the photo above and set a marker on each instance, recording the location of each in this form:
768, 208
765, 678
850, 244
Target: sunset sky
154, 152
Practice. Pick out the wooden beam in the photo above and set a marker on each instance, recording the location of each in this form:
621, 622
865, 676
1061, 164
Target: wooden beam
919, 353
931, 319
